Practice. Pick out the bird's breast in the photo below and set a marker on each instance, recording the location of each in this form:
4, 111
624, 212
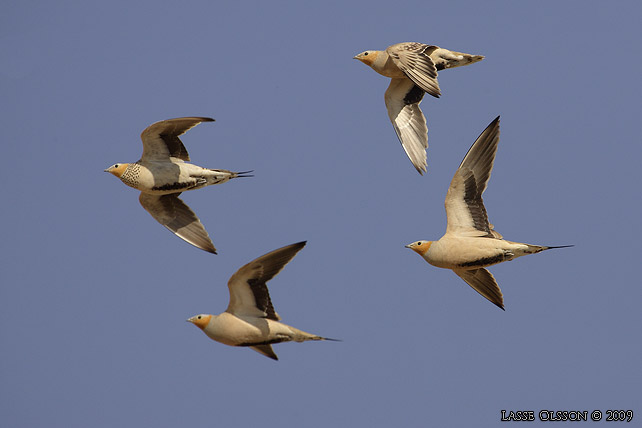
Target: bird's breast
385, 66
232, 330
164, 178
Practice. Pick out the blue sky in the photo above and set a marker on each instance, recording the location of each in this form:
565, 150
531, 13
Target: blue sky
94, 293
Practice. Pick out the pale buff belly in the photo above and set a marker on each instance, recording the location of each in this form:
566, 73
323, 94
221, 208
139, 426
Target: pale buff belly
472, 253
235, 331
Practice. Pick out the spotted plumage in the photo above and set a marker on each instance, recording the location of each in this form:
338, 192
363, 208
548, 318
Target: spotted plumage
250, 319
470, 243
131, 175
163, 172
413, 69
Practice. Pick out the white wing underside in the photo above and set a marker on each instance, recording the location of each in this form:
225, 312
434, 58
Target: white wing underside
242, 299
249, 295
408, 121
464, 204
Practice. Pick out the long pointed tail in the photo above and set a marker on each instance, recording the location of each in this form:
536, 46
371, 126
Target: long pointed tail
559, 246
532, 249
302, 336
244, 174
327, 338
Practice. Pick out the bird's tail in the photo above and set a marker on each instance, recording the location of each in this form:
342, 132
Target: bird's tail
532, 249
244, 174
458, 59
559, 246
327, 338
302, 336
217, 176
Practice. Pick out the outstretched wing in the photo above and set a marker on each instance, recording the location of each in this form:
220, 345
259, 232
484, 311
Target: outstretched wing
160, 139
484, 283
402, 102
249, 294
175, 215
265, 350
464, 204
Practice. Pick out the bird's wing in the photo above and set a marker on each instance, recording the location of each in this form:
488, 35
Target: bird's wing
175, 215
249, 294
484, 283
414, 60
464, 204
265, 350
402, 101
160, 139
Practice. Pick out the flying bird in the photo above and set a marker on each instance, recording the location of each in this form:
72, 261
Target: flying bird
471, 243
250, 319
413, 69
164, 171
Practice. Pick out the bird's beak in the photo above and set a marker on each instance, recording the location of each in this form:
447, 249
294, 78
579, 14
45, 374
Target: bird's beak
407, 246
106, 170
355, 57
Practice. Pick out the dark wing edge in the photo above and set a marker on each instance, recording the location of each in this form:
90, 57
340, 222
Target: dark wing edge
175, 215
265, 350
269, 265
402, 102
475, 170
483, 282
169, 130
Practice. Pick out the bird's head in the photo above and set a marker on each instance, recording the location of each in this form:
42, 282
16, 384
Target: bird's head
367, 57
200, 321
118, 169
420, 247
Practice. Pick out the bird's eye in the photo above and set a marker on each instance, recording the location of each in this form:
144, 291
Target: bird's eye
199, 317
115, 165
365, 54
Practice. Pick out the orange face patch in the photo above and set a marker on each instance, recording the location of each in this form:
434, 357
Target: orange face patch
420, 247
118, 170
367, 57
200, 321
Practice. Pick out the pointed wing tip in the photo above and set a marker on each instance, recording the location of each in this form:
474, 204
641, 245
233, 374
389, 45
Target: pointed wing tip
433, 92
205, 246
294, 248
209, 248
265, 349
